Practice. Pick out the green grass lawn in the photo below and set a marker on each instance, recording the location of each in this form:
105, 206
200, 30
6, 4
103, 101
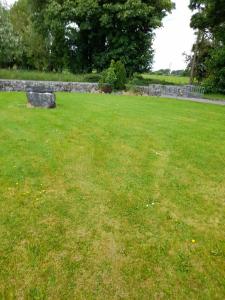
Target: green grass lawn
164, 79
47, 76
112, 197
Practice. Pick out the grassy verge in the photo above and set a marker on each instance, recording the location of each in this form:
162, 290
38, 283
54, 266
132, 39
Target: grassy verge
111, 197
47, 76
215, 97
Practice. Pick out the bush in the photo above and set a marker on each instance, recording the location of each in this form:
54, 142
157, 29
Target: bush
136, 79
106, 88
115, 76
121, 75
111, 75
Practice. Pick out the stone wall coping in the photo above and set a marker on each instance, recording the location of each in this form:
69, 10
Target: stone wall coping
53, 86
46, 81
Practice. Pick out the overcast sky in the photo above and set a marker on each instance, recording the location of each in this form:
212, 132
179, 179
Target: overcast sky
173, 39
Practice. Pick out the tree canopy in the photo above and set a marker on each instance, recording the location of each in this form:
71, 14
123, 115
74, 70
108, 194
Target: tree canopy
83, 35
210, 21
9, 41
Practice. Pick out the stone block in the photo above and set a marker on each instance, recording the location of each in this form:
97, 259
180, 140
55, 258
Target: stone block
44, 100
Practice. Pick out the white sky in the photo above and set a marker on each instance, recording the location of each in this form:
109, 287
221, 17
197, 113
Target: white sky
175, 38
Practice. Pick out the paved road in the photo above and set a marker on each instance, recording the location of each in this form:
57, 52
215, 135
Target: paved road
216, 102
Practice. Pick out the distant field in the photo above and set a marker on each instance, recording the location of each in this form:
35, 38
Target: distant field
47, 76
170, 79
52, 76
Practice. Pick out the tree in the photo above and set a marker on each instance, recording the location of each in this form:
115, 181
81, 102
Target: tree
115, 75
197, 63
210, 19
178, 73
33, 50
163, 72
82, 35
9, 41
121, 75
90, 33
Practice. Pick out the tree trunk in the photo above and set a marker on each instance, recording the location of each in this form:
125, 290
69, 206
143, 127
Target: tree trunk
194, 60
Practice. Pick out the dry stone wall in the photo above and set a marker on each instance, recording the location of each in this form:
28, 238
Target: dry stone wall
53, 86
186, 91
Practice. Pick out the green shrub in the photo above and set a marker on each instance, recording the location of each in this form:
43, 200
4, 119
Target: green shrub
115, 76
103, 85
136, 79
111, 75
121, 75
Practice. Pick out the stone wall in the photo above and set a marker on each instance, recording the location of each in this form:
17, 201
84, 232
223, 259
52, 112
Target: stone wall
53, 86
187, 91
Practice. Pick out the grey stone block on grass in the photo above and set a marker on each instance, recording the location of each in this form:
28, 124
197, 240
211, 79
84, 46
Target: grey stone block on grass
43, 100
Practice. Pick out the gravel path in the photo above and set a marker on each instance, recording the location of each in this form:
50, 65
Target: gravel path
216, 102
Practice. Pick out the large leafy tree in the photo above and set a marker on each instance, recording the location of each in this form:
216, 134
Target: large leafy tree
210, 19
9, 41
197, 65
87, 34
210, 15
33, 48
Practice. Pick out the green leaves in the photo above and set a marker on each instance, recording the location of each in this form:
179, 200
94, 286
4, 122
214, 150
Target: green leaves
101, 31
115, 75
210, 19
9, 41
